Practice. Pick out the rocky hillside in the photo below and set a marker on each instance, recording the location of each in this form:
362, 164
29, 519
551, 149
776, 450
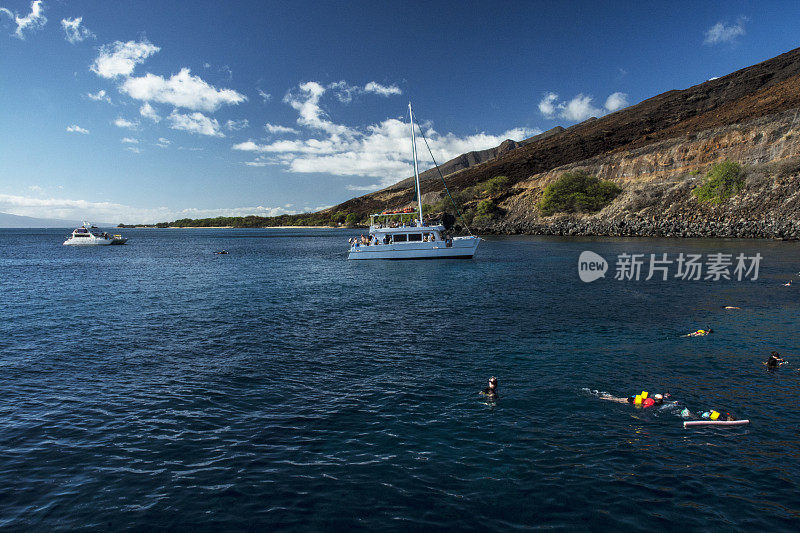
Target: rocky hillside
657, 151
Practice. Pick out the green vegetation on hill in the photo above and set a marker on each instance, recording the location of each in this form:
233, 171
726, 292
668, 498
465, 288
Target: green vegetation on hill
303, 219
723, 181
476, 203
577, 192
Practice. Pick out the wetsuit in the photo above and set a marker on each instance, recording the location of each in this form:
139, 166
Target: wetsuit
491, 393
773, 362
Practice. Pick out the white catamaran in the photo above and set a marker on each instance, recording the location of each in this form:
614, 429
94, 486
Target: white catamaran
404, 235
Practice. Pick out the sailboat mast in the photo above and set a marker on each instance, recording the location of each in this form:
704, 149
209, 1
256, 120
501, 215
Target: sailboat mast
416, 167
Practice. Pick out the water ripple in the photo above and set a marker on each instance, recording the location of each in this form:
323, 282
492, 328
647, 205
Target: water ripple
284, 387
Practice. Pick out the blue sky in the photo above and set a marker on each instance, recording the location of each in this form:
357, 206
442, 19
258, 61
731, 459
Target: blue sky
145, 111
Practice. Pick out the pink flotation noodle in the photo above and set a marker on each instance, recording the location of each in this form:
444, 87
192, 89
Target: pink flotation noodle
696, 423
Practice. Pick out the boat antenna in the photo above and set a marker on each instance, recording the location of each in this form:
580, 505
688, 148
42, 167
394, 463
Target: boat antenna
416, 166
458, 211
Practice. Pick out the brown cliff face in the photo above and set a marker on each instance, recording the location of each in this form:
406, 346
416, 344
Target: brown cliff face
657, 179
748, 116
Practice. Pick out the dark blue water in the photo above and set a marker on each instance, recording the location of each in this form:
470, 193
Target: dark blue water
156, 385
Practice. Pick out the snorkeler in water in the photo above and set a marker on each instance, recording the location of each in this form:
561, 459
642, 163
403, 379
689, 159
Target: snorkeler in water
491, 391
657, 399
775, 360
699, 333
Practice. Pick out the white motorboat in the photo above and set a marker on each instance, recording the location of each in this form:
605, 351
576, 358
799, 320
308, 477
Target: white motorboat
405, 235
87, 236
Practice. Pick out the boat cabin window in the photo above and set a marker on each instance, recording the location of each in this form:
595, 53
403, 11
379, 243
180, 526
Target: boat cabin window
81, 235
400, 237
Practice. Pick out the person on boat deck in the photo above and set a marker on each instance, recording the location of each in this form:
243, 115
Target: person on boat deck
775, 360
491, 391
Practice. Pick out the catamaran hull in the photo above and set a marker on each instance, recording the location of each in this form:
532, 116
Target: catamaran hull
462, 248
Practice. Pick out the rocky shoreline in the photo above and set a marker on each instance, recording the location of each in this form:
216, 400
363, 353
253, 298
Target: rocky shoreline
633, 226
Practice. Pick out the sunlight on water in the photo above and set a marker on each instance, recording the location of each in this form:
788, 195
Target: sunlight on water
159, 385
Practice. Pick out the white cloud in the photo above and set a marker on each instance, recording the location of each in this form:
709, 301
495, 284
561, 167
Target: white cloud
616, 101
163, 143
77, 129
277, 129
111, 212
346, 92
305, 101
35, 188
259, 211
125, 123
56, 207
382, 90
236, 125
580, 107
99, 96
547, 105
32, 21
128, 140
724, 33
75, 33
180, 90
133, 149
381, 150
147, 111
265, 97
119, 59
195, 123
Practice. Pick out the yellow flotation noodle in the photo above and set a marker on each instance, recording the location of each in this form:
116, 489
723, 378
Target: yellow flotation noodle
637, 400
644, 395
714, 415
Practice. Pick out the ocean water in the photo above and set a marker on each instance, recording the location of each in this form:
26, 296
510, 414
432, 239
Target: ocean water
157, 385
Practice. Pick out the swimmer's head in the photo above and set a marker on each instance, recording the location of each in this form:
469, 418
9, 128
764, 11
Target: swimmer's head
492, 382
658, 397
775, 354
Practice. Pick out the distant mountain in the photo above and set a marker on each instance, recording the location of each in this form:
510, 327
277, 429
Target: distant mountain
471, 159
17, 221
767, 89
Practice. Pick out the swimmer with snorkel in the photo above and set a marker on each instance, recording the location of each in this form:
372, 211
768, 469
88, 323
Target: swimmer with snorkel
775, 360
657, 399
491, 391
699, 333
